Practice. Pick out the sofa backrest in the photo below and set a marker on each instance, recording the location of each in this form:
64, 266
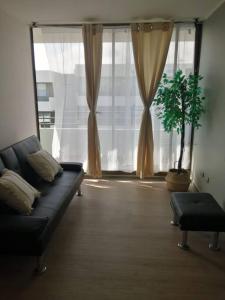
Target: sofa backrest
4, 209
2, 166
15, 157
10, 160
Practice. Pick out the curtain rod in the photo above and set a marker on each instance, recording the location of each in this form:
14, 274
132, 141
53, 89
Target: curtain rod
36, 24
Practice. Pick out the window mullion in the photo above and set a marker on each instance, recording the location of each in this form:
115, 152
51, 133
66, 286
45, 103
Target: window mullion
175, 63
113, 88
177, 33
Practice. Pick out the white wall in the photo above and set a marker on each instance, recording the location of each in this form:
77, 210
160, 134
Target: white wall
209, 148
17, 109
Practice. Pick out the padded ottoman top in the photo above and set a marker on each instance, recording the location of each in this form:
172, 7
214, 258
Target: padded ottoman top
198, 211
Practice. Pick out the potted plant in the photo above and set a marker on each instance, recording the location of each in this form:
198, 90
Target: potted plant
179, 103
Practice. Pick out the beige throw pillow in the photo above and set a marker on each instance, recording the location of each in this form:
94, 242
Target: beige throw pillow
16, 192
44, 165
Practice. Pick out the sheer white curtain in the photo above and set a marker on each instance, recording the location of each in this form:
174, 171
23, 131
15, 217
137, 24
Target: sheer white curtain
119, 105
64, 53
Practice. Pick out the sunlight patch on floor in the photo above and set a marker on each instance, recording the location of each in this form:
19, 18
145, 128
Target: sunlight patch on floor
145, 185
152, 187
109, 183
96, 180
98, 186
124, 181
141, 181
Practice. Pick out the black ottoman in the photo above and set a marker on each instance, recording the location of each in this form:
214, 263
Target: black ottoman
197, 212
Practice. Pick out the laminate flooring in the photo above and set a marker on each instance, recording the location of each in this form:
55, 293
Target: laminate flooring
116, 242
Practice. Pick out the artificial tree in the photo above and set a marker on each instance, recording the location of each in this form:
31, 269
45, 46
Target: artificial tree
179, 102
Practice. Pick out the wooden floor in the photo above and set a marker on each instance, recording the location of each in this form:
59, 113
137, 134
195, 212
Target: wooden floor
116, 243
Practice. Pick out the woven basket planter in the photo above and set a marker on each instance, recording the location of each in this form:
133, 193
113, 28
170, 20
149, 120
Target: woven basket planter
178, 182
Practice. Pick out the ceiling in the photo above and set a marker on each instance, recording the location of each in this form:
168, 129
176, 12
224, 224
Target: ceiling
75, 11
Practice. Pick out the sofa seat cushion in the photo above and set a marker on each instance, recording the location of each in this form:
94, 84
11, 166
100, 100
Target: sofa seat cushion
198, 211
55, 197
54, 200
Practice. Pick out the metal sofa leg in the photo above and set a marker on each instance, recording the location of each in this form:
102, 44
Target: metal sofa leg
214, 244
183, 245
40, 265
79, 192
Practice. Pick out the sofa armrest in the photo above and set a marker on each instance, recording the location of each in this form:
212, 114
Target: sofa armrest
22, 225
74, 166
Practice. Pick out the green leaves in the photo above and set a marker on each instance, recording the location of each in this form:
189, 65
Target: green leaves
179, 100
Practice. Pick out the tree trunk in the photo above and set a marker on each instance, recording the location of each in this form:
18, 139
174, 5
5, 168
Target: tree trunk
181, 148
182, 137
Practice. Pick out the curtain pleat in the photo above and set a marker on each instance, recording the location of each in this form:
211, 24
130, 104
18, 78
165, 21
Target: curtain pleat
150, 48
92, 37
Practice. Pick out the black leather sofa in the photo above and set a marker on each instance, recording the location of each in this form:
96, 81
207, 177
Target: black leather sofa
29, 235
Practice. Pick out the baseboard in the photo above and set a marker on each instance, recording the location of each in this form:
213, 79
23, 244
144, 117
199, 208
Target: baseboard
193, 187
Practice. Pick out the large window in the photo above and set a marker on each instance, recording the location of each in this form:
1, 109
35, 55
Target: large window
59, 60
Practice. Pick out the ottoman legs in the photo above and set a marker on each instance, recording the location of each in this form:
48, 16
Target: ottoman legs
214, 244
183, 245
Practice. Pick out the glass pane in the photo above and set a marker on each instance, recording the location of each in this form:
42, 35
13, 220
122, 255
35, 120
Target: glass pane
186, 49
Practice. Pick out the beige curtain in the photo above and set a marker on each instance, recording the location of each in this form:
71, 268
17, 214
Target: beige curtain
92, 37
150, 47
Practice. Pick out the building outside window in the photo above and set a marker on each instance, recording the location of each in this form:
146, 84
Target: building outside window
46, 119
44, 91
